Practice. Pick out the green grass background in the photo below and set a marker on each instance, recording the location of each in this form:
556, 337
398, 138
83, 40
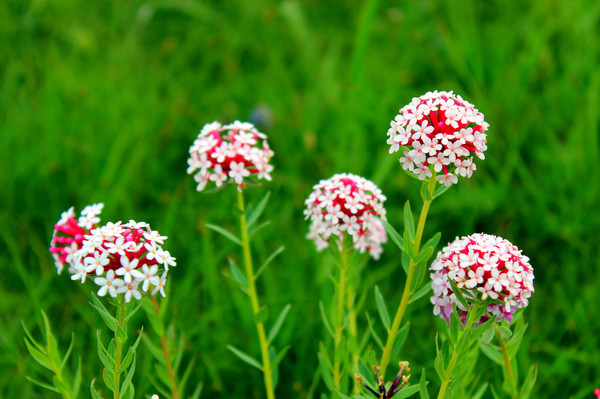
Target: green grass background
100, 101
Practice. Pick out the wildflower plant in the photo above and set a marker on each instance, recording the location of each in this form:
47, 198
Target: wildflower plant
125, 260
478, 281
346, 215
236, 153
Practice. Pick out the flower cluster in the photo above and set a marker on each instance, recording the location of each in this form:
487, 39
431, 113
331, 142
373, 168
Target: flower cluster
439, 133
230, 152
483, 266
124, 258
395, 387
351, 204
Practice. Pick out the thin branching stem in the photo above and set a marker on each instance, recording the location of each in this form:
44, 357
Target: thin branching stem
260, 328
393, 332
165, 350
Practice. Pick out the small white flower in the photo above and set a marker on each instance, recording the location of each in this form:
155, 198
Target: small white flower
108, 284
146, 276
126, 268
238, 171
130, 289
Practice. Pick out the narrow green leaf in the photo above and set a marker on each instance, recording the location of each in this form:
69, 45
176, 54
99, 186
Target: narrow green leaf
325, 372
515, 342
479, 393
42, 384
255, 214
325, 357
433, 241
32, 341
424, 255
105, 357
62, 387
400, 339
245, 357
38, 356
269, 260
408, 247
458, 294
382, 309
186, 375
409, 223
494, 393
440, 190
366, 373
374, 334
108, 379
423, 386
424, 290
77, 380
488, 335
326, 319
529, 382
68, 353
407, 391
394, 235
405, 261
129, 356
51, 344
109, 320
197, 391
126, 384
341, 395
277, 359
455, 324
93, 391
179, 353
278, 323
504, 333
424, 191
492, 352
224, 233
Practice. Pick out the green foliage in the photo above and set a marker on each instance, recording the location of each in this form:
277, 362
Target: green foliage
100, 102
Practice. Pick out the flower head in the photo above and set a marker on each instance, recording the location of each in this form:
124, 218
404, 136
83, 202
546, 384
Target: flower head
69, 233
347, 204
229, 153
482, 266
439, 133
124, 258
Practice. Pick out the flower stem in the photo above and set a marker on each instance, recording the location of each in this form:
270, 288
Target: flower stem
339, 320
456, 352
165, 350
391, 339
119, 346
260, 328
507, 363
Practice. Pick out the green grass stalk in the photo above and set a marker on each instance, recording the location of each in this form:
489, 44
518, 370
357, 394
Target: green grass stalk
393, 332
339, 319
260, 328
119, 347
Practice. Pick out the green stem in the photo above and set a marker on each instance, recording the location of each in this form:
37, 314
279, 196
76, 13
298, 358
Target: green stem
339, 320
119, 347
455, 353
165, 350
507, 363
391, 339
260, 328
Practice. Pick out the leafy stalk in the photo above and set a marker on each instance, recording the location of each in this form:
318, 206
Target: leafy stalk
250, 278
408, 285
339, 319
461, 345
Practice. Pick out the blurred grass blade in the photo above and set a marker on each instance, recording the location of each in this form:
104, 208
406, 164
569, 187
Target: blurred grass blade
224, 233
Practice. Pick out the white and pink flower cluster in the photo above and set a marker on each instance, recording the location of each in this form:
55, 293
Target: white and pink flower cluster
350, 204
439, 133
124, 258
482, 266
230, 152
